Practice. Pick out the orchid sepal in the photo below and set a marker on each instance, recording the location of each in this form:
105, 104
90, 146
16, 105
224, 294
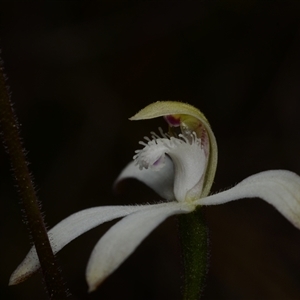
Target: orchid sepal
280, 188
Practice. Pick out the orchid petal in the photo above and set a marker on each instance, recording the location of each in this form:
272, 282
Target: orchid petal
279, 188
161, 182
69, 229
124, 237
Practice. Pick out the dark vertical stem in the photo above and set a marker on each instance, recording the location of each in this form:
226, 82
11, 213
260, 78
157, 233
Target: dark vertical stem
9, 127
194, 243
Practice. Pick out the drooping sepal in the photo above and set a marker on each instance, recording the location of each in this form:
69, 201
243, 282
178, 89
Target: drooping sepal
279, 188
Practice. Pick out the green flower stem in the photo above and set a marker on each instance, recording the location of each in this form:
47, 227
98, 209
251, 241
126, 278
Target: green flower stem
194, 243
9, 127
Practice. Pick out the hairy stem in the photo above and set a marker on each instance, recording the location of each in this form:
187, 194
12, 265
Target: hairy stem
12, 142
194, 244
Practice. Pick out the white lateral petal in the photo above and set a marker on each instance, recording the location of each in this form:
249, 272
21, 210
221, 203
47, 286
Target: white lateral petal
124, 237
277, 187
160, 181
69, 229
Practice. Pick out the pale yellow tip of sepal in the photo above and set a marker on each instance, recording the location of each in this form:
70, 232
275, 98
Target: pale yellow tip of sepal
93, 284
16, 279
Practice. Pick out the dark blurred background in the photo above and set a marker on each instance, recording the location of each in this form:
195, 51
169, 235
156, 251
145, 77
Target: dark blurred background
78, 70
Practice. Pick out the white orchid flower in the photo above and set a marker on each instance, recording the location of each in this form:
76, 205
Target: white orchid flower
180, 166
